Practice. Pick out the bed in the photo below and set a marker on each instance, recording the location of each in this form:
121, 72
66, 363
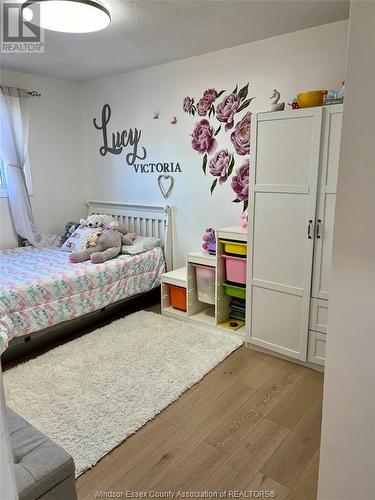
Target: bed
40, 288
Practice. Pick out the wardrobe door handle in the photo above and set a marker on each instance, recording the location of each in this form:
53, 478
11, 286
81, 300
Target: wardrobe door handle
309, 229
318, 229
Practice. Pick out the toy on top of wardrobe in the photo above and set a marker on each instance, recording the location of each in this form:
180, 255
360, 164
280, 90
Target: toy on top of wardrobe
275, 104
335, 97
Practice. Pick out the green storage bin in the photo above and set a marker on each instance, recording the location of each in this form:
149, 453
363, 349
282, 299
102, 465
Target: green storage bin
234, 291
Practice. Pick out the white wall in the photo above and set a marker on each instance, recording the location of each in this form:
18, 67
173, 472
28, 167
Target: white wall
305, 60
348, 434
59, 140
56, 154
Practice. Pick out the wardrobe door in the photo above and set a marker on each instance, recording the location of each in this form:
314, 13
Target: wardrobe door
331, 137
282, 204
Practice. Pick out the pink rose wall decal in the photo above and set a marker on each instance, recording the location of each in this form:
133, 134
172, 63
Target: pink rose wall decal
240, 182
188, 105
241, 135
224, 108
203, 138
221, 166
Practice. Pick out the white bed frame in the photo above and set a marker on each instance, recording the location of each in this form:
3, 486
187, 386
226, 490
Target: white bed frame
144, 220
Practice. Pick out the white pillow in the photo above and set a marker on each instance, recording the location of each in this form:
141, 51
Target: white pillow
141, 244
78, 239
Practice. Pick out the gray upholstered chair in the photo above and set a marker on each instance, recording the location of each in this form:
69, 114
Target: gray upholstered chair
43, 469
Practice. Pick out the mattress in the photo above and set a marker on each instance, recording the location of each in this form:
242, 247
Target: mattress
40, 288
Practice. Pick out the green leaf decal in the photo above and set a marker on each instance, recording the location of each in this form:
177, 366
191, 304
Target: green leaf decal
220, 93
243, 92
245, 204
230, 168
204, 166
213, 185
236, 201
245, 104
235, 90
217, 130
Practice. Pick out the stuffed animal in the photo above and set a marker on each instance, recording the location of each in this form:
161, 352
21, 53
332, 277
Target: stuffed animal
108, 244
127, 237
92, 240
209, 241
244, 220
99, 221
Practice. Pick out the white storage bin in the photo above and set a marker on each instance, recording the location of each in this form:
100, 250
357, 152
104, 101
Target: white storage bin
205, 283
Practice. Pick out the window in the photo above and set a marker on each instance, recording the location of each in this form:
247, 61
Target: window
3, 179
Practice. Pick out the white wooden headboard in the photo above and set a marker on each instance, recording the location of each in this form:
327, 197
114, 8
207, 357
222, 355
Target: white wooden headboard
145, 220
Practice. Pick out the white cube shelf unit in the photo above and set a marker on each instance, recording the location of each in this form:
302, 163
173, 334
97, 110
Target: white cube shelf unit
197, 310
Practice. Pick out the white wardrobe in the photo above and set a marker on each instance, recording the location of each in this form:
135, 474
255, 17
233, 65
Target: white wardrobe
293, 176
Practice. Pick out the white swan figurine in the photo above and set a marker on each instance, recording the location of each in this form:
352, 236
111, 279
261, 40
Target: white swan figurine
275, 105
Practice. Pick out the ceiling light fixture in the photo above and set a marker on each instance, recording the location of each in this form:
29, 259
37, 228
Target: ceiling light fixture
68, 16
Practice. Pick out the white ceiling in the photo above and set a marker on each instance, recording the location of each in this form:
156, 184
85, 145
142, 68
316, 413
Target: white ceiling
149, 32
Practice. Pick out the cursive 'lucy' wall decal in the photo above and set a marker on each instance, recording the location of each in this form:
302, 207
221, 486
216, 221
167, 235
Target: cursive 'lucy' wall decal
115, 142
120, 140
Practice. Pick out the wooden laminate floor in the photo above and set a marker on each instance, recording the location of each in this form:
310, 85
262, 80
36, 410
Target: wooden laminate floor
253, 423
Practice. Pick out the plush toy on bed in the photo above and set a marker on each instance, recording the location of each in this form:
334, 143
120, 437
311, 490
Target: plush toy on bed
99, 221
108, 243
92, 240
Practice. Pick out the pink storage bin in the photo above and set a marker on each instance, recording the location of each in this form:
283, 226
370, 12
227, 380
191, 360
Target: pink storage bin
235, 268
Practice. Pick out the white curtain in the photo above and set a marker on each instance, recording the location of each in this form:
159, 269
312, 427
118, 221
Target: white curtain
14, 151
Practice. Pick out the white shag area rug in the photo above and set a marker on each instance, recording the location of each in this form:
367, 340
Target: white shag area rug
90, 394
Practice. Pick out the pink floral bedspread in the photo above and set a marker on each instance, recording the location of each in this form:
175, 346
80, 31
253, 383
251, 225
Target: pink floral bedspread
40, 287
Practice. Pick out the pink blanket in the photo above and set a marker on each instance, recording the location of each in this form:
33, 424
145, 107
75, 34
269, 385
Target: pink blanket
40, 287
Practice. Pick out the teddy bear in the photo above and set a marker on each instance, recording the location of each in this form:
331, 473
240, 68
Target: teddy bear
99, 221
92, 240
108, 244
